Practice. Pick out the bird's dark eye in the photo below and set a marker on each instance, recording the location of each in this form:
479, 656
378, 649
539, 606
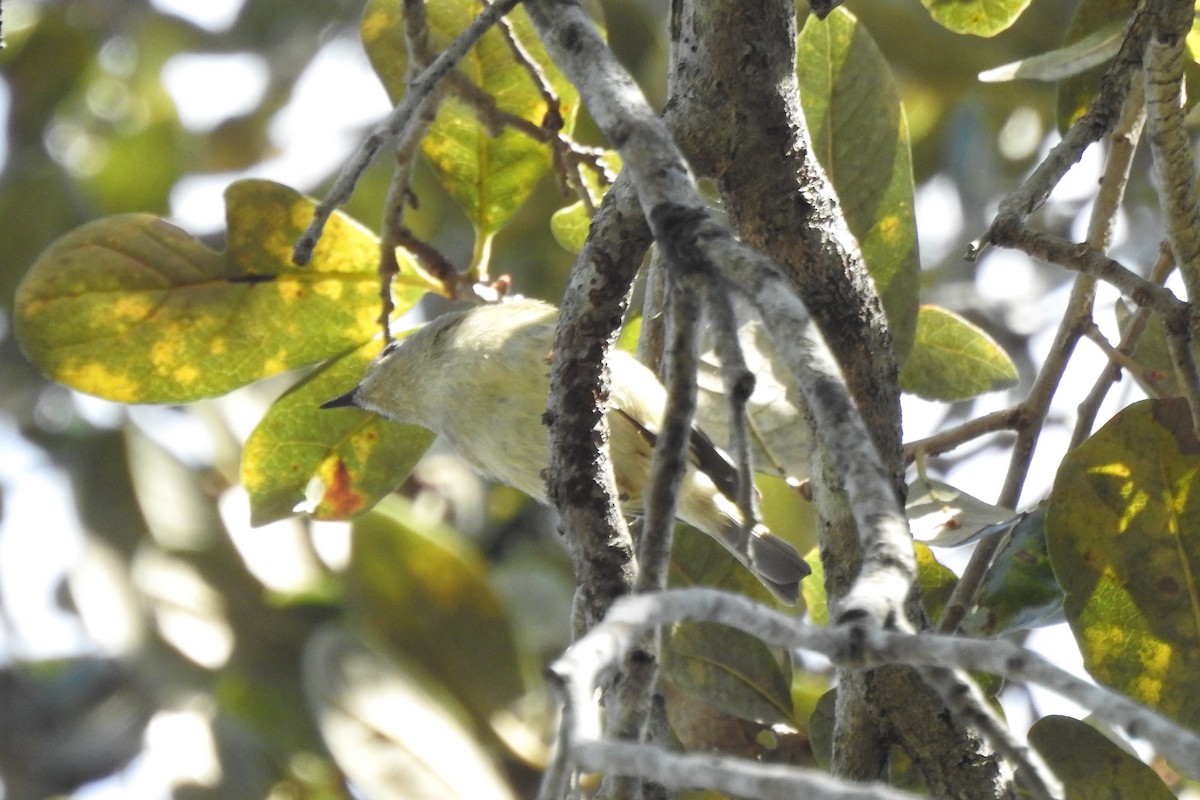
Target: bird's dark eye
391, 347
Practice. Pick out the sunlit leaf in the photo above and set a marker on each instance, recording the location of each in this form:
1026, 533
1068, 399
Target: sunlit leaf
489, 175
860, 136
131, 308
346, 459
1092, 766
977, 17
570, 224
945, 516
812, 589
1123, 531
419, 590
392, 726
728, 669
1092, 50
954, 360
936, 580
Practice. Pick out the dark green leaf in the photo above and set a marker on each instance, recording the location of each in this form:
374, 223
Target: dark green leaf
729, 670
1021, 591
1090, 765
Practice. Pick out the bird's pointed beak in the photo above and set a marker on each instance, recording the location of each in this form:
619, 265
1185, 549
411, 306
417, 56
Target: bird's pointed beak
347, 400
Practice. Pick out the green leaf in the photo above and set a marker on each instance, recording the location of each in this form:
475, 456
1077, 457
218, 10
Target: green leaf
729, 670
820, 729
392, 726
698, 560
421, 591
860, 136
1090, 765
132, 309
1021, 591
1123, 531
977, 17
570, 224
812, 589
1091, 51
937, 580
954, 360
490, 176
355, 456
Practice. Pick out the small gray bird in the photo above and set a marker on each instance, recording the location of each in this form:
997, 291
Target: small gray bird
480, 378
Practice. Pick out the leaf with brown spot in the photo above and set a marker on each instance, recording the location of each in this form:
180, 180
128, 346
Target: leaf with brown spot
346, 459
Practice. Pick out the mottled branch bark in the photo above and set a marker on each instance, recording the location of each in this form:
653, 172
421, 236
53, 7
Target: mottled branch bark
757, 146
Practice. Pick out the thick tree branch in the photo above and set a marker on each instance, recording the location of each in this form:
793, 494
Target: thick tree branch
756, 144
580, 480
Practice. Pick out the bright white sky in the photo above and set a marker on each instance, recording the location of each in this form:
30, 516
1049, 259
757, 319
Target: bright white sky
315, 132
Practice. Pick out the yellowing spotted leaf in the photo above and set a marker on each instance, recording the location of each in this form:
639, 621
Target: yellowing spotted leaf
1123, 534
133, 309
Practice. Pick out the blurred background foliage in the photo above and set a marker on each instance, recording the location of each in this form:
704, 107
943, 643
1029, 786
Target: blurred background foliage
146, 632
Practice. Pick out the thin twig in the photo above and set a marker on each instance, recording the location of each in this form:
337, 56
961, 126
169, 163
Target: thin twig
947, 440
652, 338
399, 195
670, 461
1090, 407
1088, 259
396, 125
432, 260
1116, 357
1082, 258
1098, 120
738, 381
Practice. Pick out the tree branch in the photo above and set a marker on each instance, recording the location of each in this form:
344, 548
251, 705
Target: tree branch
1098, 120
581, 668
580, 479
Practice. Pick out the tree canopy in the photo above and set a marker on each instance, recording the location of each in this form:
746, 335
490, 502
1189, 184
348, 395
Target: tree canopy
924, 270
